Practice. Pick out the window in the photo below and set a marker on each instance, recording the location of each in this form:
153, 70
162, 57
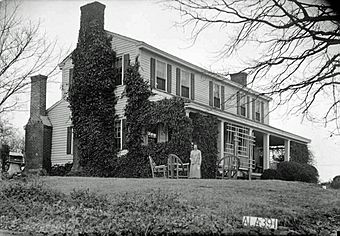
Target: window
70, 82
243, 105
119, 70
185, 84
160, 75
118, 134
69, 140
257, 110
217, 96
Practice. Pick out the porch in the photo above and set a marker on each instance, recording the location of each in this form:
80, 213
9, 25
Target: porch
255, 150
256, 145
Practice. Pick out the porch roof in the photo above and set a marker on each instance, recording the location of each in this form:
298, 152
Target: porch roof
229, 117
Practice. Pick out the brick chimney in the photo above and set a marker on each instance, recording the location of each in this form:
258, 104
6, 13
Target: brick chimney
38, 96
38, 131
240, 78
92, 13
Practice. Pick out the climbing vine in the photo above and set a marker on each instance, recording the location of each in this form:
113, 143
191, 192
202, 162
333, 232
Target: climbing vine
134, 164
205, 133
92, 99
143, 116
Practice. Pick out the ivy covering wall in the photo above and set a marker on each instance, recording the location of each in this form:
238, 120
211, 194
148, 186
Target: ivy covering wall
143, 116
92, 99
205, 134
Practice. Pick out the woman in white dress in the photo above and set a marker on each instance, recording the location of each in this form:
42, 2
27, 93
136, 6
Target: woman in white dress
195, 163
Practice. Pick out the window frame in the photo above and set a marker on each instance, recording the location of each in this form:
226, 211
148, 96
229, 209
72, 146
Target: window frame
258, 105
122, 67
69, 138
189, 85
165, 75
120, 133
243, 105
219, 95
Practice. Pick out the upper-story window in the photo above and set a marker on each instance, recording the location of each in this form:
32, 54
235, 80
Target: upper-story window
119, 70
185, 84
217, 96
258, 110
161, 75
70, 78
243, 104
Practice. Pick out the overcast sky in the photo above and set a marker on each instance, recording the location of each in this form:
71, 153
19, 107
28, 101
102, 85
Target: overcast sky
154, 24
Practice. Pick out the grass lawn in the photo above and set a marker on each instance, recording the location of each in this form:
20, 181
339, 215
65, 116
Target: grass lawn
203, 206
286, 201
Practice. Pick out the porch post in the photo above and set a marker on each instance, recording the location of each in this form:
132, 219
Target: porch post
287, 150
222, 140
187, 113
266, 157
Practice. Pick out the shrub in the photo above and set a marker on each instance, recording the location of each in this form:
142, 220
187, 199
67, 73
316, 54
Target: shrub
300, 153
60, 170
293, 171
336, 182
270, 174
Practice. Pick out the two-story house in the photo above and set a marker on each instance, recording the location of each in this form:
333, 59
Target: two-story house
242, 112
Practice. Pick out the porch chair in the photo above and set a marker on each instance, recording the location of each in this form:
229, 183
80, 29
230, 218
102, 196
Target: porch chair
176, 168
157, 169
228, 167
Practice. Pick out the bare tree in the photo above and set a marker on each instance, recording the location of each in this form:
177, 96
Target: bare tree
23, 52
299, 41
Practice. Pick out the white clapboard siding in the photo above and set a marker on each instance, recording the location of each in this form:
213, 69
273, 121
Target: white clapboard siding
60, 117
65, 77
201, 84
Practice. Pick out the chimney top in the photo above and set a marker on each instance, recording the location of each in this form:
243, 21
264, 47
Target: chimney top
38, 96
240, 78
38, 77
92, 12
93, 5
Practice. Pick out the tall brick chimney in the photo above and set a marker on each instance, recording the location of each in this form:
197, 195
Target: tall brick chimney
38, 131
38, 96
240, 78
92, 14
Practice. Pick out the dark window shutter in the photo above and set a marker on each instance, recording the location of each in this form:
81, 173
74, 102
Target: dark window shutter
253, 108
124, 134
68, 140
248, 107
126, 62
152, 72
211, 93
168, 77
192, 86
222, 98
178, 82
70, 78
262, 112
238, 99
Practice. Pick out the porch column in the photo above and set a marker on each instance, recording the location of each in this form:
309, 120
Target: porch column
187, 113
266, 157
287, 150
220, 140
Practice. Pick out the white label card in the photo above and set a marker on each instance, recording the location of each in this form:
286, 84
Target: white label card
268, 223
